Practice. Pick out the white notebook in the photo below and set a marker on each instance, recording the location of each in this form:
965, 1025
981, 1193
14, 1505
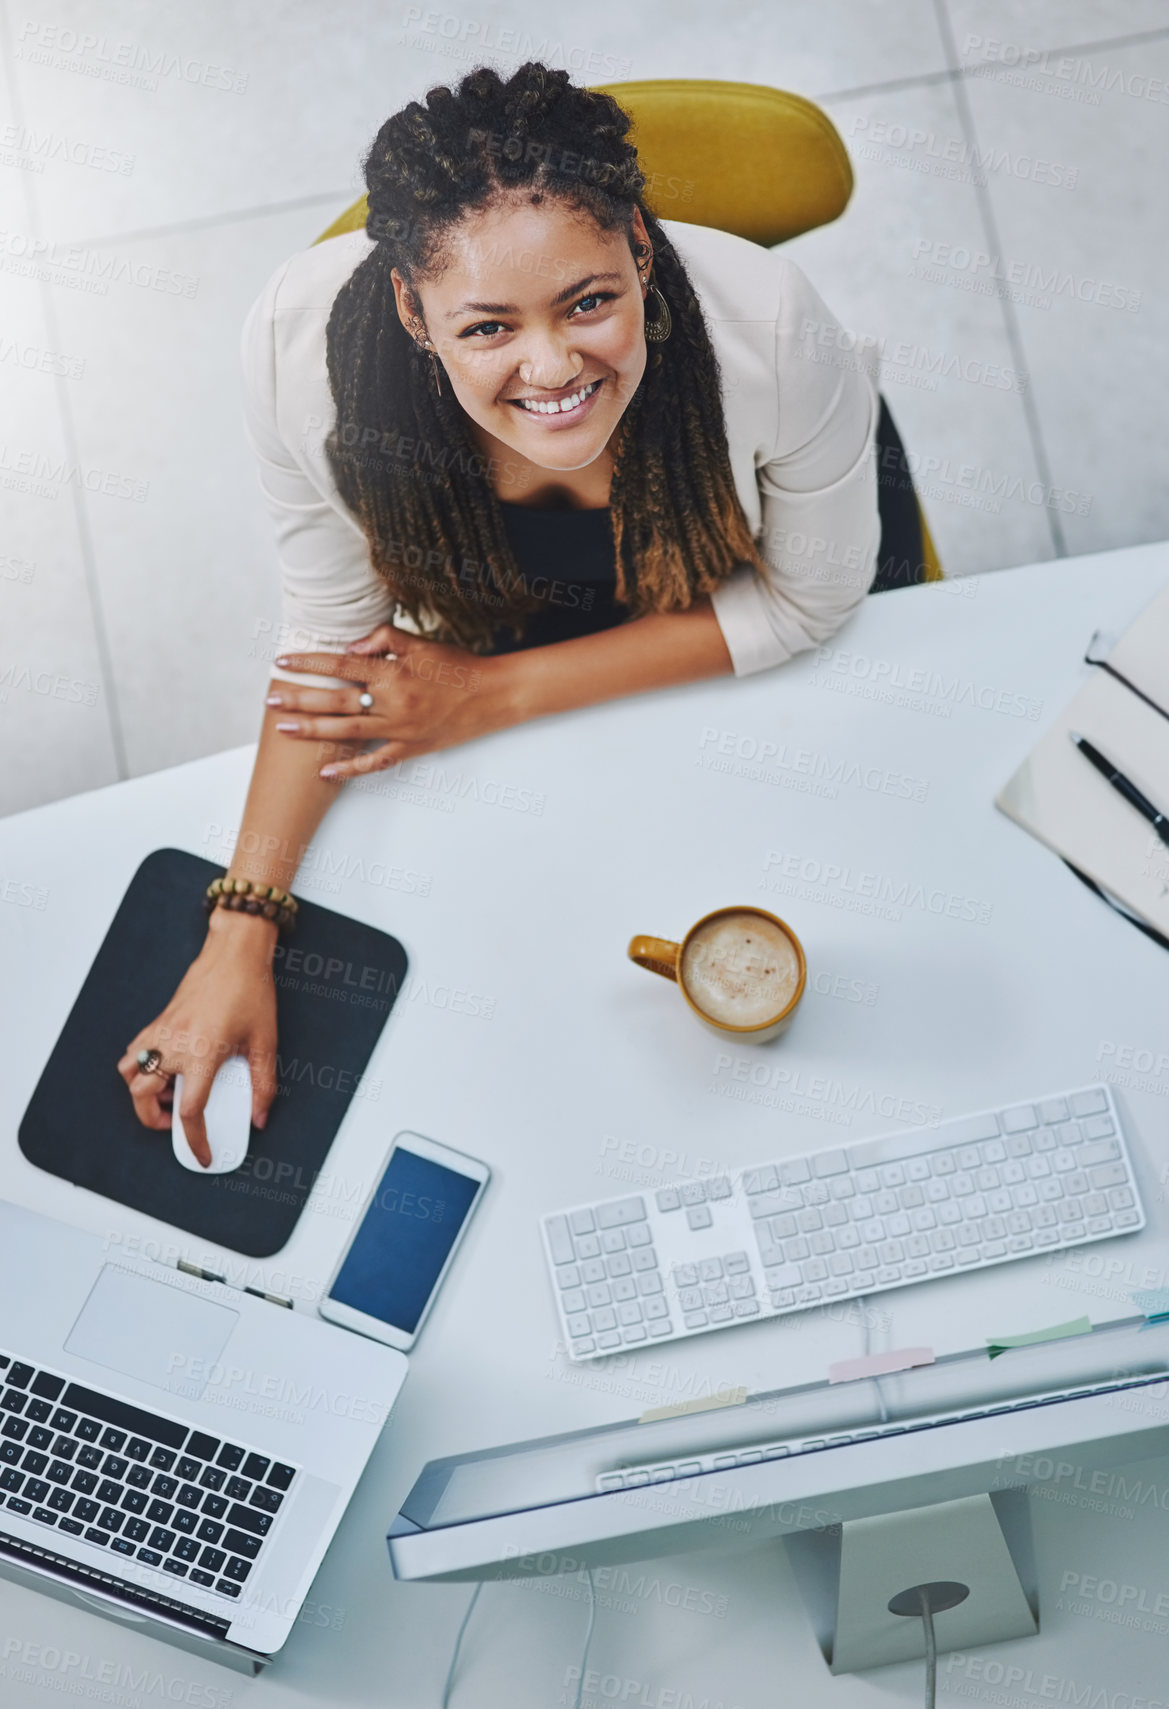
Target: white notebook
1067, 804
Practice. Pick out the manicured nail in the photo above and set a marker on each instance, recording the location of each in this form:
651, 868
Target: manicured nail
328, 771
290, 727
282, 661
275, 700
261, 1119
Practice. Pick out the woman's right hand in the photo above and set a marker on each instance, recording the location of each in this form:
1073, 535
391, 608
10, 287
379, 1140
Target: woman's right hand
225, 1006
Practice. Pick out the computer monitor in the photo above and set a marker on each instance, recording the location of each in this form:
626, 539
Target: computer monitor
806, 1463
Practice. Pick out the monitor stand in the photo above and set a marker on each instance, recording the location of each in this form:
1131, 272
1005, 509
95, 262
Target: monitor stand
848, 1574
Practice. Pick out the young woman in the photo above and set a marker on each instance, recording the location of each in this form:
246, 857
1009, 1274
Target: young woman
527, 448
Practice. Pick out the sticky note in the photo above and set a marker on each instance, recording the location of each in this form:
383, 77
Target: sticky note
708, 1403
1058, 1331
879, 1364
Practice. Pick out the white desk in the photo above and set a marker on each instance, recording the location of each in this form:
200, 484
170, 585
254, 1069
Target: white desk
525, 1037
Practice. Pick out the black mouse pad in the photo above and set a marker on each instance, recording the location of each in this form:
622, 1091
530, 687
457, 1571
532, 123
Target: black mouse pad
336, 981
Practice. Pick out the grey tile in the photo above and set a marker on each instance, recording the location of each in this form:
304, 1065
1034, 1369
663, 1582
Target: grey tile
1088, 268
150, 116
55, 729
184, 561
1012, 36
948, 373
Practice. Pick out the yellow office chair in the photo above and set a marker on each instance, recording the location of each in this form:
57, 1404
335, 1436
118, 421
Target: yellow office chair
741, 157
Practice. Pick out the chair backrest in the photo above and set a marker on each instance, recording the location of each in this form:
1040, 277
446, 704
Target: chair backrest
759, 162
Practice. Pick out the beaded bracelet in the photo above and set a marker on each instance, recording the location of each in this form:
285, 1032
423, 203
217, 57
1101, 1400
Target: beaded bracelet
242, 896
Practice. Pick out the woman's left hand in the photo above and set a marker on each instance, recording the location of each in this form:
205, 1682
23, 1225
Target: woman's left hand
424, 696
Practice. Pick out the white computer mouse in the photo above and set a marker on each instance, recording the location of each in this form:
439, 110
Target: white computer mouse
228, 1116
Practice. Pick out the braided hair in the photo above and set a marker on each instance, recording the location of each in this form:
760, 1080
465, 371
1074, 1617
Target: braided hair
400, 452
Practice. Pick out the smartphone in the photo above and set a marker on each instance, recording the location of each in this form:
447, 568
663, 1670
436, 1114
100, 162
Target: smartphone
410, 1227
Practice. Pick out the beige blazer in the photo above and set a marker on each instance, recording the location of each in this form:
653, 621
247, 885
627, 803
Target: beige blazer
800, 400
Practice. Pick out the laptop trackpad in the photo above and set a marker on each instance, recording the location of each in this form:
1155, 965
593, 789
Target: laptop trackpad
151, 1330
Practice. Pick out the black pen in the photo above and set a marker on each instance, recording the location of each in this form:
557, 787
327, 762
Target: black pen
1123, 787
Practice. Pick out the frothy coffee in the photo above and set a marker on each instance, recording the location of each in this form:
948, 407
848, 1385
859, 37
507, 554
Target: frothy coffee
741, 969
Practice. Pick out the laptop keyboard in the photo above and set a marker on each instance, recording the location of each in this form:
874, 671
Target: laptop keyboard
143, 1486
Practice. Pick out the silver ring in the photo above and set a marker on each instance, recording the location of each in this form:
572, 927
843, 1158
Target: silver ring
150, 1062
365, 700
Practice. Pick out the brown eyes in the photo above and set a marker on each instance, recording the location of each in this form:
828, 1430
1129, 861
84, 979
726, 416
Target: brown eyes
596, 297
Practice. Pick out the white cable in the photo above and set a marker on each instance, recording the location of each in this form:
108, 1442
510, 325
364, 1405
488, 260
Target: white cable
450, 1672
584, 1655
931, 1652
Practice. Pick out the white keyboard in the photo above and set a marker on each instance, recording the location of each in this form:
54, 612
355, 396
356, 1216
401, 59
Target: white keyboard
906, 1207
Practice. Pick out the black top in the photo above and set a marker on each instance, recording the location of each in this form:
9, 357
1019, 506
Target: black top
568, 559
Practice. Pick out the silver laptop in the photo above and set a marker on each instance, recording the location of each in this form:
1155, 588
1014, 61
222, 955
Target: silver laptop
171, 1447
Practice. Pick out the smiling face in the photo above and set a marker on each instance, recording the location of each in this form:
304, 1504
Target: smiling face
537, 321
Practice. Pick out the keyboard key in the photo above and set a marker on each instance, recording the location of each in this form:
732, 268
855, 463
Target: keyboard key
763, 1180
695, 1320
162, 1539
226, 1588
559, 1240
161, 1458
212, 1477
20, 1374
187, 1549
112, 1439
88, 1429
638, 1235
137, 1448
567, 1276
668, 1199
188, 1496
685, 1275
178, 1568
215, 1506
122, 1545
93, 1535
1108, 1175
694, 1193
229, 1457
186, 1467
255, 1466
202, 1446
85, 1509
586, 1245
619, 1212
736, 1263
613, 1240
184, 1521
699, 1216
197, 1576
1021, 1119
1088, 1103
36, 1489
149, 1557
136, 1529
718, 1187
212, 1559
581, 1222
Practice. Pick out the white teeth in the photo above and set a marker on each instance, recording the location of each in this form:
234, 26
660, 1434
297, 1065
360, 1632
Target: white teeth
563, 405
